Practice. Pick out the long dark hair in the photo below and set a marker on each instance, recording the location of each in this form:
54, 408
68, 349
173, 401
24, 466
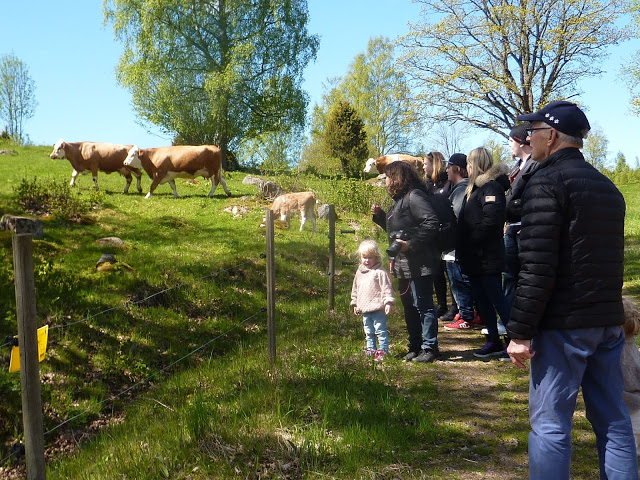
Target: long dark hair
403, 178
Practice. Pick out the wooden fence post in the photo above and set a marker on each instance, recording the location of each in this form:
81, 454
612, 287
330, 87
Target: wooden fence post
271, 288
332, 255
29, 367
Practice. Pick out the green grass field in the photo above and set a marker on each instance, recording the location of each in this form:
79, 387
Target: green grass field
161, 370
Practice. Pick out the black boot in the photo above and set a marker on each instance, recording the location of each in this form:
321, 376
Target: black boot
449, 315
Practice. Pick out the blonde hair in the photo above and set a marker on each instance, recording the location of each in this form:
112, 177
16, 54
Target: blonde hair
369, 248
631, 324
438, 163
481, 160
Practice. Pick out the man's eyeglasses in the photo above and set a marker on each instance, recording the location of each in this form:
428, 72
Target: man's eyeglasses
531, 130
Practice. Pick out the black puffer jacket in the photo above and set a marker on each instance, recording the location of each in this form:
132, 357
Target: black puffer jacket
480, 245
413, 213
571, 249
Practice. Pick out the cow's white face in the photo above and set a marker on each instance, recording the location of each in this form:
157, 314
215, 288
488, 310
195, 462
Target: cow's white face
58, 150
133, 158
369, 165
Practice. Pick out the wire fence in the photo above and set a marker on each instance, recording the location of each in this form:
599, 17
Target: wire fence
18, 449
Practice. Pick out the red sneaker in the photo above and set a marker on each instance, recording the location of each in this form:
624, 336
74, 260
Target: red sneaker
459, 325
477, 321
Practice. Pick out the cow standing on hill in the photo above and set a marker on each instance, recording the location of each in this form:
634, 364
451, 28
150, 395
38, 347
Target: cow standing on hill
94, 157
382, 162
165, 164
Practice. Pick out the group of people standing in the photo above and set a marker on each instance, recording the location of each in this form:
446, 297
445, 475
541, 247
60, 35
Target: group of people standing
542, 246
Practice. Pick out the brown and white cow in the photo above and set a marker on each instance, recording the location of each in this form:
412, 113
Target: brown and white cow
288, 204
96, 157
382, 162
165, 164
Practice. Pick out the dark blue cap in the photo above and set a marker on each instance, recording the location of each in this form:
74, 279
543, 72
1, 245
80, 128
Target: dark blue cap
566, 117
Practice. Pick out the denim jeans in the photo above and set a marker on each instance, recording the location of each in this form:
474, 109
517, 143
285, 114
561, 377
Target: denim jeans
375, 325
461, 290
488, 297
416, 295
564, 361
511, 264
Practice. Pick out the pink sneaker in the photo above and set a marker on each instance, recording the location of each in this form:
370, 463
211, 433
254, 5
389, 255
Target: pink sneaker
379, 355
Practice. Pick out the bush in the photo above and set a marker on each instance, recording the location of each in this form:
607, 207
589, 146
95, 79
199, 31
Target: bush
55, 199
353, 195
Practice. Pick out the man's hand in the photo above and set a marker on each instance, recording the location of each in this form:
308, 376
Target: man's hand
387, 308
356, 311
520, 351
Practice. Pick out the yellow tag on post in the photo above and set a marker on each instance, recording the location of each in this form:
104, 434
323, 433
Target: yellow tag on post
43, 336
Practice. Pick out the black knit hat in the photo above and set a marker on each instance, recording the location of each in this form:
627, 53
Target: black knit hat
519, 133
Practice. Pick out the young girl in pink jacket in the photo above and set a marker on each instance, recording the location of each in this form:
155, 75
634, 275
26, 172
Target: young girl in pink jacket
372, 296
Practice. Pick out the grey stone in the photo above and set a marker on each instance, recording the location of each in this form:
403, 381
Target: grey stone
110, 242
106, 258
250, 180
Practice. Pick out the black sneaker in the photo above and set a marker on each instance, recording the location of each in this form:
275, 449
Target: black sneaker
426, 356
441, 310
449, 315
490, 349
410, 356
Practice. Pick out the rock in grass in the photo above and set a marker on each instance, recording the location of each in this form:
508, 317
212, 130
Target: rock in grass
110, 242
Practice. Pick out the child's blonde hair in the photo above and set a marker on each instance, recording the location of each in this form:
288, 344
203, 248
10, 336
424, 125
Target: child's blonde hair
631, 324
369, 248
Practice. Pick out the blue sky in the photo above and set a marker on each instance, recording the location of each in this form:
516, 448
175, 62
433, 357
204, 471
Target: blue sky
72, 56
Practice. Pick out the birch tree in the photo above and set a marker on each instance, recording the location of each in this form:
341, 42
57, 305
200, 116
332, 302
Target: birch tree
214, 71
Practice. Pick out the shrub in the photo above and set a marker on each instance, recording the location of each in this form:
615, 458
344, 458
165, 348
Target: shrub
55, 199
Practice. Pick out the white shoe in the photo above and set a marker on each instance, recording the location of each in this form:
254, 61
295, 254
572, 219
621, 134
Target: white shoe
501, 330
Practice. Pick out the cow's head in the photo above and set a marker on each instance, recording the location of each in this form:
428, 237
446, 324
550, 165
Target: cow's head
58, 150
369, 165
133, 158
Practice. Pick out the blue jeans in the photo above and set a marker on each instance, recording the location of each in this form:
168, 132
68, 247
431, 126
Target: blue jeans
461, 290
511, 264
375, 325
488, 297
564, 361
416, 295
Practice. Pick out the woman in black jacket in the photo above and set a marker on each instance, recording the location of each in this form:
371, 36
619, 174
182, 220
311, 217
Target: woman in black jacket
480, 247
412, 226
435, 171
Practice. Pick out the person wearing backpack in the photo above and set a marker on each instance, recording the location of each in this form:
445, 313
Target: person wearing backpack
412, 227
480, 247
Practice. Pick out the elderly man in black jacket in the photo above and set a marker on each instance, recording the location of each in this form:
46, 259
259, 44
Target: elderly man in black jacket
567, 311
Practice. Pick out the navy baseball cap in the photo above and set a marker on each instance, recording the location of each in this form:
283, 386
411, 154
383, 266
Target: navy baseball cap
459, 159
566, 117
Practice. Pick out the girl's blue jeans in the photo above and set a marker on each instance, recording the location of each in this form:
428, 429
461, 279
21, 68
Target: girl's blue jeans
375, 326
